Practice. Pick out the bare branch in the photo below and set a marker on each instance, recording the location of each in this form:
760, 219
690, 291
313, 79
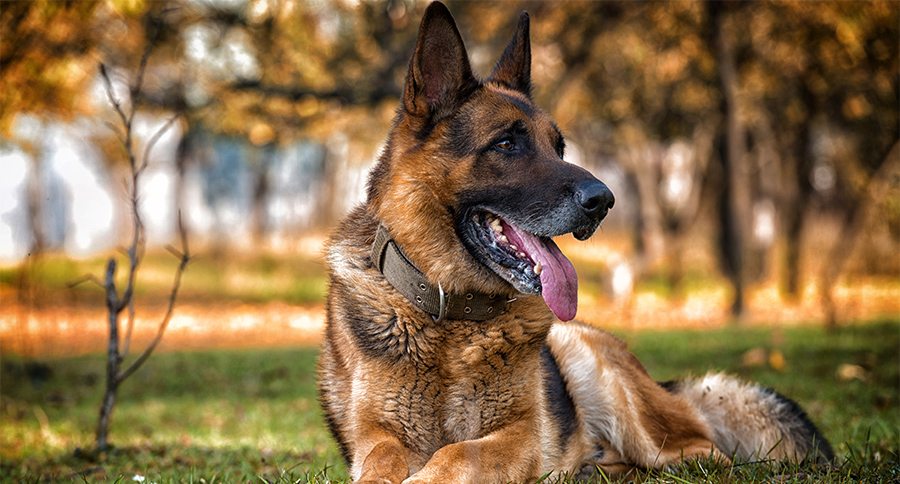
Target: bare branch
184, 260
110, 285
172, 250
110, 93
153, 139
113, 357
125, 118
343, 94
154, 24
115, 129
142, 68
135, 252
86, 278
129, 329
136, 248
185, 249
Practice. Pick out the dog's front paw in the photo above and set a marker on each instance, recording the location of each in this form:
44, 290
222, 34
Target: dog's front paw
433, 476
427, 476
430, 478
440, 471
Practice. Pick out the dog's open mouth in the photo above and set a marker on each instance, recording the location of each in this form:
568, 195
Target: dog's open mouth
531, 263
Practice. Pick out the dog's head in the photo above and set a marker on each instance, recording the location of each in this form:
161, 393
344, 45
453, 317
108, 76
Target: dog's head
473, 184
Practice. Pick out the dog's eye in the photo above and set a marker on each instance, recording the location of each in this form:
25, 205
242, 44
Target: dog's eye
505, 145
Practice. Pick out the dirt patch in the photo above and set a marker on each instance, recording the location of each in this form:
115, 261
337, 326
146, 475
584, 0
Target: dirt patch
59, 331
53, 329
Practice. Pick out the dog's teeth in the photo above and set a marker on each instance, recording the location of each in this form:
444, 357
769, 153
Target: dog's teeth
538, 268
495, 225
502, 238
513, 247
520, 254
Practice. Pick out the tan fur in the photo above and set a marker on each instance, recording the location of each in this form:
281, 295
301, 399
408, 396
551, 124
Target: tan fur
423, 176
511, 398
487, 380
623, 407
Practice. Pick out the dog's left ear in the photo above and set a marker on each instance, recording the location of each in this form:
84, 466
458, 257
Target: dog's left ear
514, 67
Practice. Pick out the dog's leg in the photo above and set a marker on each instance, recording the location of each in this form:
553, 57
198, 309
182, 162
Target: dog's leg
383, 458
695, 449
510, 454
614, 465
608, 460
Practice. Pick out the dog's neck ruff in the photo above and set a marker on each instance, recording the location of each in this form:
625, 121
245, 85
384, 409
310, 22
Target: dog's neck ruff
409, 281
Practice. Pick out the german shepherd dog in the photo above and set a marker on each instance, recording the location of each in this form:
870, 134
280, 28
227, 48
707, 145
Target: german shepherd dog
447, 356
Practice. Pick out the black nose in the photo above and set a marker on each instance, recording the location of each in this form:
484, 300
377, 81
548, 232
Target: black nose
594, 197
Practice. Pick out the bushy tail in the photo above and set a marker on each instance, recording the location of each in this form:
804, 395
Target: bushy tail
750, 422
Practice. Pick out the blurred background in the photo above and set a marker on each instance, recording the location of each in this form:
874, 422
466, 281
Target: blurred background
752, 147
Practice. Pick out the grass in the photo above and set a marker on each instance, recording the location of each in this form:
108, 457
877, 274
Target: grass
229, 416
240, 278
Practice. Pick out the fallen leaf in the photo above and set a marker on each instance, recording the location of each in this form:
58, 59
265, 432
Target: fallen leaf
847, 372
754, 357
777, 361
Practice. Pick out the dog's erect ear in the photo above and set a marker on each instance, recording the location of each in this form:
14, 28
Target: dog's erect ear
439, 75
514, 67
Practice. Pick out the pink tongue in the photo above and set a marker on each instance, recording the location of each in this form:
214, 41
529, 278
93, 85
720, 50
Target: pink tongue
558, 278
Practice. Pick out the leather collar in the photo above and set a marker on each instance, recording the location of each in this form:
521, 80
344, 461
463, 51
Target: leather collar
409, 281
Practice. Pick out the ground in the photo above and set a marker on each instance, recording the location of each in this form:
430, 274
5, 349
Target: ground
231, 395
238, 415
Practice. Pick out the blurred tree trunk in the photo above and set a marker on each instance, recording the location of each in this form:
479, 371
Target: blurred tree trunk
27, 293
795, 201
259, 167
642, 168
678, 218
855, 219
260, 224
734, 195
184, 153
329, 207
639, 230
676, 246
35, 206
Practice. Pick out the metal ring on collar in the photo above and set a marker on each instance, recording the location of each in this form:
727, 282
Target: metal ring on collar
442, 308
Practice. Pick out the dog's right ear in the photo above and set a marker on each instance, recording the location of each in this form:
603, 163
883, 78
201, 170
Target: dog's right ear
440, 76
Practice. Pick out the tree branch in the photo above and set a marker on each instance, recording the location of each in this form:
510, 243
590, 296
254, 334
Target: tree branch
134, 257
110, 94
154, 139
85, 278
135, 252
344, 94
185, 258
142, 68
